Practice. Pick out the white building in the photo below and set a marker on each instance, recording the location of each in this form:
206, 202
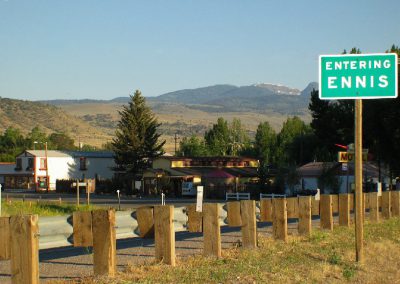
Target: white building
33, 166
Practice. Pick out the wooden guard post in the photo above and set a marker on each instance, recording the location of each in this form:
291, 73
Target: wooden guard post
5, 245
104, 242
395, 203
24, 249
373, 205
249, 223
195, 219
145, 218
82, 224
335, 203
292, 207
305, 222
164, 234
266, 210
211, 230
326, 216
386, 205
234, 216
279, 225
344, 209
315, 207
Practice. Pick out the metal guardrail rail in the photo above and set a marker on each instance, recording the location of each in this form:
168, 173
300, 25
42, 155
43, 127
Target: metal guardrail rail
57, 231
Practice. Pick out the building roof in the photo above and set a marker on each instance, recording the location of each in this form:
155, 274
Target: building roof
42, 153
207, 158
211, 172
315, 169
92, 154
55, 153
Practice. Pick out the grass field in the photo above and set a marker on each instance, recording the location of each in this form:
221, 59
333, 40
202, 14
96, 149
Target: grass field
43, 208
176, 118
325, 257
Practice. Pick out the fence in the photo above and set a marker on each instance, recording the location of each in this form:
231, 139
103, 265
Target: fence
237, 196
101, 228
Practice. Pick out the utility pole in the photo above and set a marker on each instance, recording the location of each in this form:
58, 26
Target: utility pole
176, 138
47, 167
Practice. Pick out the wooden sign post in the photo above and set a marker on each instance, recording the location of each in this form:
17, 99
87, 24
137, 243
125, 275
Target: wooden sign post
335, 83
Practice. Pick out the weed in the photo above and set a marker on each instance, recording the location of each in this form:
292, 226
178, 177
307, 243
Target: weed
334, 258
349, 272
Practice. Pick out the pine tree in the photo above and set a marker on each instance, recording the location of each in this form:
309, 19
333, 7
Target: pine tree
137, 141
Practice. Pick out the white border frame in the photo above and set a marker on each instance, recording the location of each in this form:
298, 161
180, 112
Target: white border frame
361, 97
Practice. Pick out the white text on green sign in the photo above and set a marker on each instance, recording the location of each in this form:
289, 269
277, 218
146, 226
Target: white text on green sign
358, 76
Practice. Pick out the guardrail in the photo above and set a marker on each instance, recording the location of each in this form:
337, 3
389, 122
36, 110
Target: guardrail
57, 231
238, 196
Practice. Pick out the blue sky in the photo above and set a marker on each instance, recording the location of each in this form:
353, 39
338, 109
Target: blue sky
104, 49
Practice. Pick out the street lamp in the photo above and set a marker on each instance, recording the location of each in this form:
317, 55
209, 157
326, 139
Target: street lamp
47, 163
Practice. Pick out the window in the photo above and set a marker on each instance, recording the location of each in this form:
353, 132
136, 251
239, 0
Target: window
18, 165
30, 164
82, 164
43, 164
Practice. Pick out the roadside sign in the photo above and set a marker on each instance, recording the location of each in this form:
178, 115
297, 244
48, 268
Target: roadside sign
347, 157
358, 76
199, 201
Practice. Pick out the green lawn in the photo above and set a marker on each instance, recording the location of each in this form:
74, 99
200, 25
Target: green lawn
43, 208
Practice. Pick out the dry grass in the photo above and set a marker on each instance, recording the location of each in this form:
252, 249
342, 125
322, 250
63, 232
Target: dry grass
170, 114
323, 258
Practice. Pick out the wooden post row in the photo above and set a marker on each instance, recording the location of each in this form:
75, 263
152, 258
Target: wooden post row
335, 203
279, 226
266, 211
24, 230
386, 205
234, 216
104, 242
373, 205
305, 221
82, 225
195, 219
164, 234
292, 207
145, 218
249, 223
211, 230
344, 209
5, 246
326, 216
395, 203
315, 207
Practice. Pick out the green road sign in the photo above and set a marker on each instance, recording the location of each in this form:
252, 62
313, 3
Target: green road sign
358, 76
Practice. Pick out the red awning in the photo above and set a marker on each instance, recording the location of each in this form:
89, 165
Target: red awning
218, 174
